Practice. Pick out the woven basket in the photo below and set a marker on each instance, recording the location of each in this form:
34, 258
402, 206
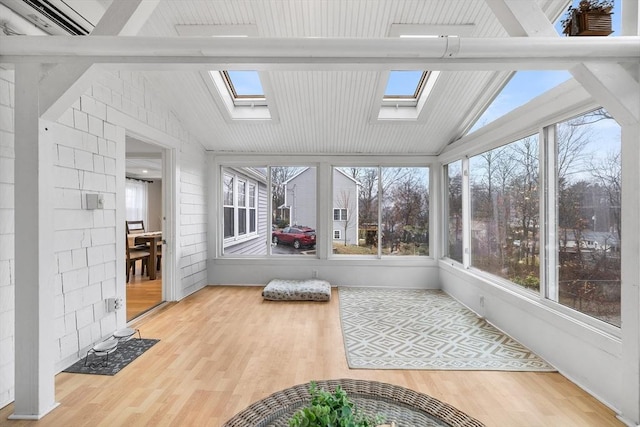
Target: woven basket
407, 407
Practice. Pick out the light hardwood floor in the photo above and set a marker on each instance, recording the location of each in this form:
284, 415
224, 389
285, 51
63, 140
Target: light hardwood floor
224, 348
143, 294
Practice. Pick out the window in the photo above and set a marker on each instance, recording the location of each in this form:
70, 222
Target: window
228, 200
293, 198
136, 200
405, 85
253, 195
339, 214
406, 93
242, 210
355, 213
396, 224
244, 85
588, 171
405, 211
241, 94
505, 238
453, 173
244, 219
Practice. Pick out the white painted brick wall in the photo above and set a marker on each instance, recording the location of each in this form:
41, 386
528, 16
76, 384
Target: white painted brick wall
85, 158
7, 227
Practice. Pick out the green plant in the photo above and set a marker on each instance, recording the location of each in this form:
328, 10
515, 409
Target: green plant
331, 410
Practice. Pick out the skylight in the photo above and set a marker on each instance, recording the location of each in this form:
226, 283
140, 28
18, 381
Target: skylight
405, 84
243, 84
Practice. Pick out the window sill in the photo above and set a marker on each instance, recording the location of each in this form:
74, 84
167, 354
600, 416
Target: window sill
232, 241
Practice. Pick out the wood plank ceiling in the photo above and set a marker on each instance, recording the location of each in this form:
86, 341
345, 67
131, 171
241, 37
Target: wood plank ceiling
330, 112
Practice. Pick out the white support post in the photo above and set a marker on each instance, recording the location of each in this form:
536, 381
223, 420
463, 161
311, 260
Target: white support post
34, 252
630, 298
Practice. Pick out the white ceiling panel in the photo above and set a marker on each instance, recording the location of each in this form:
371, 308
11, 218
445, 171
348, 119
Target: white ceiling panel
328, 112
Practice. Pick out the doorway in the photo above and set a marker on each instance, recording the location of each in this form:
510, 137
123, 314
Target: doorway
144, 213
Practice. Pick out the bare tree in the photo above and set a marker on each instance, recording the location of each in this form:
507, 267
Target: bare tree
608, 173
279, 175
344, 202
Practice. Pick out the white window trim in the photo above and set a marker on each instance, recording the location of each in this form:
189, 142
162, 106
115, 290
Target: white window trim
248, 235
403, 109
341, 217
337, 234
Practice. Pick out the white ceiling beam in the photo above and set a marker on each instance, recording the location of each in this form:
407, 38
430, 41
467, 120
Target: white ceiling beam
106, 49
609, 83
613, 87
66, 82
125, 17
522, 18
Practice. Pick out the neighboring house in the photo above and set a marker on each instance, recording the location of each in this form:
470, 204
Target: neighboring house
589, 241
300, 199
244, 195
345, 208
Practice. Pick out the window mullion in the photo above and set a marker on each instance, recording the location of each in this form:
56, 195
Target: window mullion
466, 214
549, 237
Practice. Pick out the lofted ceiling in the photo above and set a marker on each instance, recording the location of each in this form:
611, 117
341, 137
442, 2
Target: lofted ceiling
327, 111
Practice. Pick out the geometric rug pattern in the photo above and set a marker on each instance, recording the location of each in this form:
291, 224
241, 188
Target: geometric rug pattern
424, 329
126, 353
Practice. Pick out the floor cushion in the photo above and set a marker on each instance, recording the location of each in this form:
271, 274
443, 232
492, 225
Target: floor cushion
297, 290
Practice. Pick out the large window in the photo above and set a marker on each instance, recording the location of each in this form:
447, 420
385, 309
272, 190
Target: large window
453, 173
505, 225
244, 207
293, 199
381, 211
588, 229
573, 256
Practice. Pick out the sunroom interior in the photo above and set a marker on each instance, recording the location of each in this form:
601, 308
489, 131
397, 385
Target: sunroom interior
518, 216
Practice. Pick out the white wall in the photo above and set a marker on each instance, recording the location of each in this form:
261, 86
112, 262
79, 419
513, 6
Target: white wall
154, 205
587, 356
7, 259
88, 153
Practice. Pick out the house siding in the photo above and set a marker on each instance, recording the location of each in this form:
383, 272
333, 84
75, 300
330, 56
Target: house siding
345, 196
88, 155
256, 246
301, 198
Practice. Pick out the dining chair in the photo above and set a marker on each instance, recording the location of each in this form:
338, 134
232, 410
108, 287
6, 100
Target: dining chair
133, 228
133, 255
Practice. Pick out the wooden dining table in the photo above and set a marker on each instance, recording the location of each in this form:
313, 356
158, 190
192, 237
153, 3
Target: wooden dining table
151, 239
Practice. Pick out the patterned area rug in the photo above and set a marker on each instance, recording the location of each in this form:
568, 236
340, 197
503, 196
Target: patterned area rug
424, 329
126, 353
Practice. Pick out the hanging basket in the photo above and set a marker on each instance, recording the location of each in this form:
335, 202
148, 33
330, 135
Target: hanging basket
591, 23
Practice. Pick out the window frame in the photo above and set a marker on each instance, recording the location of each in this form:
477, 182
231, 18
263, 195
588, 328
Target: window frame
238, 180
547, 199
340, 212
239, 99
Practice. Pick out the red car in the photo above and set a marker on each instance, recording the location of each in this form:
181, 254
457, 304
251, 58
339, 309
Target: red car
296, 236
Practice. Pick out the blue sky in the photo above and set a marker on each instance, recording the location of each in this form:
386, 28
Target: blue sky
246, 83
526, 85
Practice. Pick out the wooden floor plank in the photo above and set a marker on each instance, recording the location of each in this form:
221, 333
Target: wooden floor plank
223, 348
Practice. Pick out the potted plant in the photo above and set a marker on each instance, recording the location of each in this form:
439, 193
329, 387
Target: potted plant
332, 409
589, 18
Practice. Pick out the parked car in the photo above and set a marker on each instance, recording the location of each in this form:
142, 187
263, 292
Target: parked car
297, 236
